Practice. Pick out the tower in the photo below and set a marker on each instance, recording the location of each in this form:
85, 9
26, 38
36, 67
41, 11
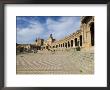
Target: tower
51, 36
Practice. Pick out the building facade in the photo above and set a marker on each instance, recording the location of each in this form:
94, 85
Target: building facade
83, 38
87, 29
48, 43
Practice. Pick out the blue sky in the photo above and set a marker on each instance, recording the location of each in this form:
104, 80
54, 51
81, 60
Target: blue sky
31, 27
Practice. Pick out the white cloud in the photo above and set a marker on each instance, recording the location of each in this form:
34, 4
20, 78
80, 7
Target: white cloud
59, 28
63, 26
30, 33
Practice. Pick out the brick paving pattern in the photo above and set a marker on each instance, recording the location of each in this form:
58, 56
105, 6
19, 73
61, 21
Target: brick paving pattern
60, 62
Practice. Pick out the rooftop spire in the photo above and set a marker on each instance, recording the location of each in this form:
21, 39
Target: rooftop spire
51, 35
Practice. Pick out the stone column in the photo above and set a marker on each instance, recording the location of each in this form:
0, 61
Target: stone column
74, 43
88, 36
84, 27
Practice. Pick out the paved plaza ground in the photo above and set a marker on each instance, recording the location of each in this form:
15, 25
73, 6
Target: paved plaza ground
58, 62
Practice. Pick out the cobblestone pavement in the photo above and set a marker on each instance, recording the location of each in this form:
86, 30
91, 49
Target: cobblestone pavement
60, 62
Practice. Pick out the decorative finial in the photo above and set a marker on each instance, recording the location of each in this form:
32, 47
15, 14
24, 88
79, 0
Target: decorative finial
50, 35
